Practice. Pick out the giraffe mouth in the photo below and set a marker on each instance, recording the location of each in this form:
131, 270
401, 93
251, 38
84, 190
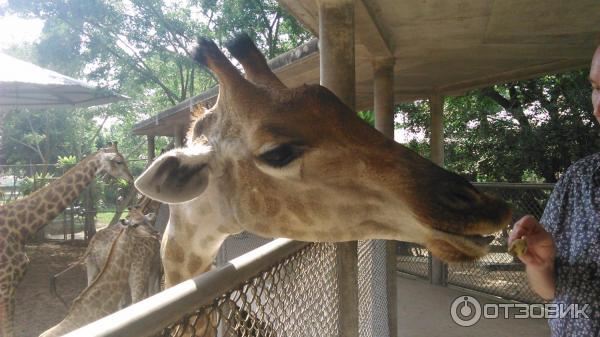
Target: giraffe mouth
453, 247
480, 240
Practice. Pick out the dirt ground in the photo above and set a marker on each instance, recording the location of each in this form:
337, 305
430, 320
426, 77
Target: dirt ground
36, 310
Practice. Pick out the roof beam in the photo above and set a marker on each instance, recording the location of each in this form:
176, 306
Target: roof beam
512, 75
371, 32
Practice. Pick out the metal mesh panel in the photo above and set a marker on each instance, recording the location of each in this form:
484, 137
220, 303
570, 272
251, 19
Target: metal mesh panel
412, 259
296, 297
499, 273
372, 289
239, 244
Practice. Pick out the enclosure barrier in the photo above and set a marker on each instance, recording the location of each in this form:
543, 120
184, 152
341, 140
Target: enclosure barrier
284, 286
497, 273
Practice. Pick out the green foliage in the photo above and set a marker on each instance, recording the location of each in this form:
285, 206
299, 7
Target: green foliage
66, 161
522, 131
34, 183
138, 48
368, 116
273, 29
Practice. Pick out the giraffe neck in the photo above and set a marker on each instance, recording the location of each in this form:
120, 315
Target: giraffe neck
38, 209
191, 241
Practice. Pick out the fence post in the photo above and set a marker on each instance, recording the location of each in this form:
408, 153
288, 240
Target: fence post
438, 270
72, 217
383, 92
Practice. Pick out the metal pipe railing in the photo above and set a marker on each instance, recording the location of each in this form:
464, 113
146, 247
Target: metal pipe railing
155, 313
540, 186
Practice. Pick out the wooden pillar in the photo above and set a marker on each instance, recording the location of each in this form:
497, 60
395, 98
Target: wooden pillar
151, 148
178, 134
337, 71
383, 94
438, 269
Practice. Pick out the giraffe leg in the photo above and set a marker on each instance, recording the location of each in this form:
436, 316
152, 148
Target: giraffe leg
138, 282
7, 309
91, 270
125, 299
12, 270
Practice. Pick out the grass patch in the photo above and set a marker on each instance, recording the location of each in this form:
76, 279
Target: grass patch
104, 217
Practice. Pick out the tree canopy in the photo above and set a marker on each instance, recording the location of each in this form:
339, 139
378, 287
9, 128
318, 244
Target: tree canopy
138, 48
520, 131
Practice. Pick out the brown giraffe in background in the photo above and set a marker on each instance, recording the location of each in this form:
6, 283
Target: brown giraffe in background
24, 217
131, 269
98, 248
103, 296
146, 270
298, 163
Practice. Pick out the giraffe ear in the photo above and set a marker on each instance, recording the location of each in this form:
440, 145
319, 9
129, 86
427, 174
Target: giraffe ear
176, 176
150, 216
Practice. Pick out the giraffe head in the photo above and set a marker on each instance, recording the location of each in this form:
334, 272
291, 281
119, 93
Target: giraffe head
113, 163
298, 163
137, 217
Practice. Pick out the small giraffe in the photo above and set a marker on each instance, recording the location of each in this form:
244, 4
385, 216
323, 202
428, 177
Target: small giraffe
146, 267
142, 261
24, 217
103, 296
98, 248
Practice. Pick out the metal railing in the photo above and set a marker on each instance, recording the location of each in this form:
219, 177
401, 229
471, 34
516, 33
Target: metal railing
284, 286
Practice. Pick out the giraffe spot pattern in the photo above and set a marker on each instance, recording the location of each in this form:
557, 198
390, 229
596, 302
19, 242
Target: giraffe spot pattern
194, 264
174, 277
174, 252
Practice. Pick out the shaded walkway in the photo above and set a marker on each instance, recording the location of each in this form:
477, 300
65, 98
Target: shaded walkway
424, 311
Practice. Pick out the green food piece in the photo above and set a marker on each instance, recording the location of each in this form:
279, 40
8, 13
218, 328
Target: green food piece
518, 247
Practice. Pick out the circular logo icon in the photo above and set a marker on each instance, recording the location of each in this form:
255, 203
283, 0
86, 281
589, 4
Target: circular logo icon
465, 311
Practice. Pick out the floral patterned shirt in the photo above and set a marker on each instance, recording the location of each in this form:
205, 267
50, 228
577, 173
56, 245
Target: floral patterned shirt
572, 216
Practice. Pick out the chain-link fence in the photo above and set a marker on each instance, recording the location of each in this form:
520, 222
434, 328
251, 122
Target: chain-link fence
497, 273
295, 297
373, 294
286, 287
283, 288
413, 259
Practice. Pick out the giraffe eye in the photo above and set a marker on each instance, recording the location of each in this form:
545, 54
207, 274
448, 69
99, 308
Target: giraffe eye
282, 155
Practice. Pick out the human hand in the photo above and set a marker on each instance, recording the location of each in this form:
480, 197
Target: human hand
540, 251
